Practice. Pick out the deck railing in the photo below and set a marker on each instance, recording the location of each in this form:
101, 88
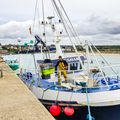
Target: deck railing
96, 84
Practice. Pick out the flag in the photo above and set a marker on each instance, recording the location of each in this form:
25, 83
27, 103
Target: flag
30, 31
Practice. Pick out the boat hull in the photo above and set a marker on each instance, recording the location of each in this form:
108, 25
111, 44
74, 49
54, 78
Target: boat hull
97, 99
81, 112
14, 67
99, 113
103, 105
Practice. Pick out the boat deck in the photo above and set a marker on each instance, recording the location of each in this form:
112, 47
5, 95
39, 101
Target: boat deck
16, 100
75, 84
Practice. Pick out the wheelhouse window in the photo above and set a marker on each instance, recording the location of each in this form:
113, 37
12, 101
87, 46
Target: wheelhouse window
73, 66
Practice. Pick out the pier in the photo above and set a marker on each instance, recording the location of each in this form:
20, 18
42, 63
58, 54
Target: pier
16, 101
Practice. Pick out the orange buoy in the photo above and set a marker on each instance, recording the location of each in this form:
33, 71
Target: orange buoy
69, 111
55, 110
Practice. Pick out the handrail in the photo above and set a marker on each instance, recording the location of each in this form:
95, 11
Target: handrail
91, 87
69, 71
100, 86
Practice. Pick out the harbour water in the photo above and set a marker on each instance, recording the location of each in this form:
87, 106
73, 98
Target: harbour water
27, 61
98, 113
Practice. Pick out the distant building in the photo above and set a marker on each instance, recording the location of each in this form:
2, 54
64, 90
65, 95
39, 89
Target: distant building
0, 46
2, 51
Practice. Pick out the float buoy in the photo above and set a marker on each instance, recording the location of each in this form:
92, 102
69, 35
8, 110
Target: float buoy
55, 110
69, 111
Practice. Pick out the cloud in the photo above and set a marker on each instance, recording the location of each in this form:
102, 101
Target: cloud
14, 29
95, 25
93, 28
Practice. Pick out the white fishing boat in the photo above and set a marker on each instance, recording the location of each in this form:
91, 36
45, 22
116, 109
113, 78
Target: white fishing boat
12, 62
92, 83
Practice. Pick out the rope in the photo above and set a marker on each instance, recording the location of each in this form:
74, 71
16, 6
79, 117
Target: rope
89, 117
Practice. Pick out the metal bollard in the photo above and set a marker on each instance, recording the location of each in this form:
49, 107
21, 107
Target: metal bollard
1, 73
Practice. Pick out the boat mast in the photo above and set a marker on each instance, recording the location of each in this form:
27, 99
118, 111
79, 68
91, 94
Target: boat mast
57, 37
65, 25
58, 48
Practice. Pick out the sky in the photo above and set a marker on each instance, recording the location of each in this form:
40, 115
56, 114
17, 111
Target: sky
97, 20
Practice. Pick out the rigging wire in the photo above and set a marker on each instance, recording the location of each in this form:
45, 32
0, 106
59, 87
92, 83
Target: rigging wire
44, 31
62, 16
98, 65
59, 13
66, 22
38, 20
74, 32
67, 25
35, 14
43, 15
103, 58
43, 22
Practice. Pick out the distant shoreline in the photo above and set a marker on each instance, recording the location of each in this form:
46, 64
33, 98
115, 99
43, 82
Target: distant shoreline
97, 54
15, 49
73, 53
105, 53
108, 54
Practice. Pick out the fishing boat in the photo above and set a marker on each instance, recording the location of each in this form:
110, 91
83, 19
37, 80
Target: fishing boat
93, 85
12, 62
